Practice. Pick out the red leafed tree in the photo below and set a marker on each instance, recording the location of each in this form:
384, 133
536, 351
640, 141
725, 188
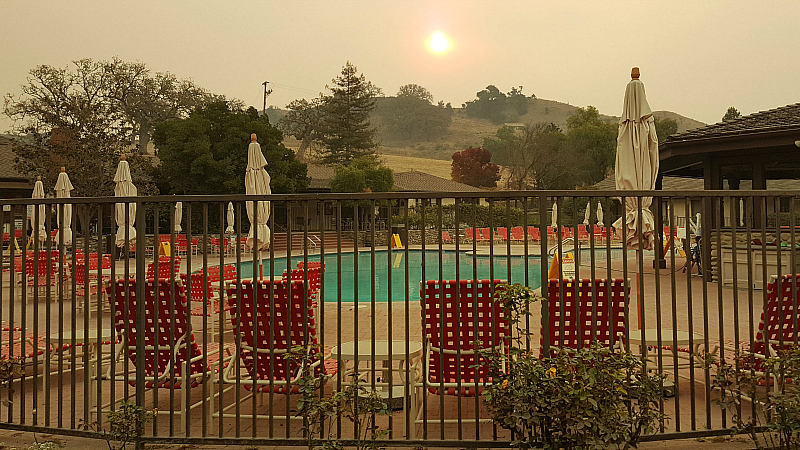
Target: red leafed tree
473, 167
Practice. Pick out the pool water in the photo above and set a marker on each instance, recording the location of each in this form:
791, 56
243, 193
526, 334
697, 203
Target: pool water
360, 287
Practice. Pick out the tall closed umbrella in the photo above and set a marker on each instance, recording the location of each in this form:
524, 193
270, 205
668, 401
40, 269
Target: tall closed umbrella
231, 218
178, 216
587, 213
63, 186
38, 192
124, 188
554, 216
637, 163
600, 214
256, 182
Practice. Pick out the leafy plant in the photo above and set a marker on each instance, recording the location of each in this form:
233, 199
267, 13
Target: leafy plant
359, 405
125, 424
591, 397
10, 370
770, 386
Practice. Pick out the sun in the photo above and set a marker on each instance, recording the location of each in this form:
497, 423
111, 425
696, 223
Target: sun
439, 43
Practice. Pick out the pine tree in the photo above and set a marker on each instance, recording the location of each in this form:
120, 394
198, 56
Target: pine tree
346, 130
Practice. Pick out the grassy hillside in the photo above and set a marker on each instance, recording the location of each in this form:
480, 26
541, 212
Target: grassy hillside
434, 156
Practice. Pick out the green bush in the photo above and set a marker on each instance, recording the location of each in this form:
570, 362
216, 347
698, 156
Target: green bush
591, 398
770, 389
469, 215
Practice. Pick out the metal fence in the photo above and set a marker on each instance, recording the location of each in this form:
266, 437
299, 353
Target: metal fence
207, 339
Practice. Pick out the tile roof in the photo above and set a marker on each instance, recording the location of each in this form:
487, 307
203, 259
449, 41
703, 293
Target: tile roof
7, 156
422, 182
783, 118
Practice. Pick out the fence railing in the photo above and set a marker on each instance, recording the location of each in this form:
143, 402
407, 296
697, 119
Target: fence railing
211, 334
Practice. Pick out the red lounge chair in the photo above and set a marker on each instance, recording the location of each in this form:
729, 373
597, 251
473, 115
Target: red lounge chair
452, 312
582, 233
486, 235
164, 265
518, 234
502, 233
599, 317
446, 239
534, 233
270, 321
168, 339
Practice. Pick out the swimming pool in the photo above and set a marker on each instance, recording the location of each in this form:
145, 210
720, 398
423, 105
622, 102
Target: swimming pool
360, 287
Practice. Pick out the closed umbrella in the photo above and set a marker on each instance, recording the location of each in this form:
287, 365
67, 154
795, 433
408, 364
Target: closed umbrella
637, 163
256, 182
38, 192
587, 213
124, 188
231, 219
63, 186
554, 216
600, 215
178, 216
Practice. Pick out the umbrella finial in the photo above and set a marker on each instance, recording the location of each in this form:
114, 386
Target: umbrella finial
253, 137
123, 157
635, 73
63, 169
39, 178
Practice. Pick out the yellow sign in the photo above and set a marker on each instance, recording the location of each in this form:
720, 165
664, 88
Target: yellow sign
396, 242
567, 267
163, 249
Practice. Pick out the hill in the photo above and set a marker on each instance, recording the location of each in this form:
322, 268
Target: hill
434, 156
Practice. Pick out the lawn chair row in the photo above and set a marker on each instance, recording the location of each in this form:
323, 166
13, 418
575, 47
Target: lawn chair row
518, 234
458, 318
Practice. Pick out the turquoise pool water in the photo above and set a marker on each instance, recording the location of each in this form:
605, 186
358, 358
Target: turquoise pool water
360, 287
467, 264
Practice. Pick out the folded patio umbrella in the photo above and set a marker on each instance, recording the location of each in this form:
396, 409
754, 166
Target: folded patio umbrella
637, 163
231, 218
38, 192
124, 188
178, 216
62, 188
600, 214
587, 213
554, 216
256, 182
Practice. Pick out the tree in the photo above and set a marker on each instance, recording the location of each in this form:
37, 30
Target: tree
415, 91
364, 174
69, 119
517, 101
473, 167
345, 128
406, 117
304, 122
665, 128
592, 140
147, 99
490, 104
535, 158
731, 114
206, 153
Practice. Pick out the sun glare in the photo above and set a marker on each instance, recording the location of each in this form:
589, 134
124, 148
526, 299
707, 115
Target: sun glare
439, 43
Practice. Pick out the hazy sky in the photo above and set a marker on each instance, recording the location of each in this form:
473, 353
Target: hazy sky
697, 57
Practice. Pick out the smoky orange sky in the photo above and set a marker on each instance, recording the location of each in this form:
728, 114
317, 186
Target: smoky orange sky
697, 58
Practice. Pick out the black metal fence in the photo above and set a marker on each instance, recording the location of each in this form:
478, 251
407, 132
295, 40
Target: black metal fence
210, 342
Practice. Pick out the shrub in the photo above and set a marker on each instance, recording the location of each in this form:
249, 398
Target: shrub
772, 418
593, 397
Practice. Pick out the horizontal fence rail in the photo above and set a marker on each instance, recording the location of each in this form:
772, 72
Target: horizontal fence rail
382, 303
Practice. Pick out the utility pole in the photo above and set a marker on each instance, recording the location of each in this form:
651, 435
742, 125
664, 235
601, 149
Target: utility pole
266, 94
